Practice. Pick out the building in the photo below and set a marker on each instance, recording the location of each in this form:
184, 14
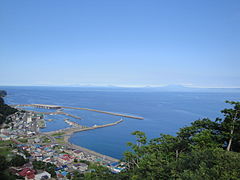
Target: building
43, 175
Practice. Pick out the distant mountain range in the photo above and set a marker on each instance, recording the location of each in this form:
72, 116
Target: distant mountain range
169, 88
180, 88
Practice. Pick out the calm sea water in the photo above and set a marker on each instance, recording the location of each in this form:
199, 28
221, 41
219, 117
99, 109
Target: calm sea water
164, 112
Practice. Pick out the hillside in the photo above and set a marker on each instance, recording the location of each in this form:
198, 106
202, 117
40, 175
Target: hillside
5, 110
3, 93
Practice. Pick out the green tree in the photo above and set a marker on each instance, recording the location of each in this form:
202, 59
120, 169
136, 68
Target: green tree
77, 175
3, 163
197, 152
98, 172
230, 126
69, 176
18, 160
50, 168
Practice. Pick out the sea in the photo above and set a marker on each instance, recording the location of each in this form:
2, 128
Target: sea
163, 112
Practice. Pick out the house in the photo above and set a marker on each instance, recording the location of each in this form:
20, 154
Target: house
80, 166
78, 153
27, 173
43, 175
66, 158
4, 137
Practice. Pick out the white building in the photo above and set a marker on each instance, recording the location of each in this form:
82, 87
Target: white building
42, 175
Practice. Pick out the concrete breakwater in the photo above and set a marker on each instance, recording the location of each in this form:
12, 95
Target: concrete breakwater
56, 113
87, 109
70, 131
105, 112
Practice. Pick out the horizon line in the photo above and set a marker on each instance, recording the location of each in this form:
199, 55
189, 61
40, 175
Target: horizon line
121, 86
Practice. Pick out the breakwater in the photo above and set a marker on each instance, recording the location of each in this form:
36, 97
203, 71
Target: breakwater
56, 113
77, 108
67, 132
70, 131
105, 112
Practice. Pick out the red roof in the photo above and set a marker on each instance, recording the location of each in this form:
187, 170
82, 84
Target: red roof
27, 172
66, 158
67, 155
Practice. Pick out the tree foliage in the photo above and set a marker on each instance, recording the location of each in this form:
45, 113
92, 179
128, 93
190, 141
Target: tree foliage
50, 168
204, 150
5, 111
18, 160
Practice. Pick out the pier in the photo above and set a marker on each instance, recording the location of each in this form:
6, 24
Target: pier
77, 108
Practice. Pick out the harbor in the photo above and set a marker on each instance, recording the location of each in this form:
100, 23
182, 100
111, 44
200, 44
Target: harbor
62, 135
46, 106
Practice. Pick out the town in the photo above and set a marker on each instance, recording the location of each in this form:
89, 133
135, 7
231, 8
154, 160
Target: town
23, 136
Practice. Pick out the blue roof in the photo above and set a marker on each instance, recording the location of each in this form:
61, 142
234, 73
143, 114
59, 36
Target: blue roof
114, 164
37, 145
20, 145
59, 168
64, 173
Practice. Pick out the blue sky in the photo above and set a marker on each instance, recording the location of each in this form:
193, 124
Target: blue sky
124, 43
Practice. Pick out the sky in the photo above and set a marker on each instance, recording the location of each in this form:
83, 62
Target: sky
120, 42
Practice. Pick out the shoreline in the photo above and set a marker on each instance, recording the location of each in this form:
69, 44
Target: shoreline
68, 132
89, 151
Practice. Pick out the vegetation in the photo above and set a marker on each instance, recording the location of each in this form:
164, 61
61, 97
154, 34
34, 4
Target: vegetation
4, 173
84, 161
23, 140
6, 148
60, 139
204, 150
50, 168
3, 93
5, 110
46, 140
18, 160
58, 134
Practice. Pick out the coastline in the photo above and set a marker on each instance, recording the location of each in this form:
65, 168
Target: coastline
68, 132
88, 151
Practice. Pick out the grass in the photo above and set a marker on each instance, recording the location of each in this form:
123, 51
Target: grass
60, 140
46, 140
58, 134
5, 148
23, 140
5, 143
5, 151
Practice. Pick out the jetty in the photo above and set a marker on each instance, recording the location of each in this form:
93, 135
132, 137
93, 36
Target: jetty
105, 112
56, 113
77, 108
67, 132
70, 131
